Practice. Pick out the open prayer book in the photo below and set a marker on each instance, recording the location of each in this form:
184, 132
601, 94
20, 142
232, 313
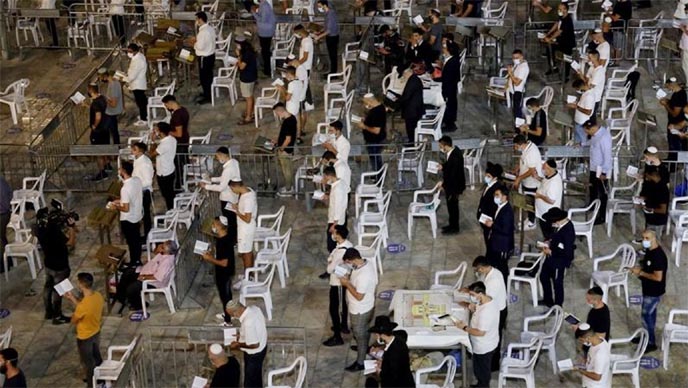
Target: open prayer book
542, 244
201, 247
230, 335
198, 382
541, 35
341, 271
660, 94
318, 194
565, 365
120, 75
369, 366
77, 98
484, 218
185, 54
509, 176
278, 82
433, 167
64, 287
392, 97
363, 55
632, 171
519, 121
571, 99
572, 319
418, 20
356, 119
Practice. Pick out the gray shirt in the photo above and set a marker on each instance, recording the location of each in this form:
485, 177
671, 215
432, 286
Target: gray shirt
331, 24
601, 151
436, 30
114, 91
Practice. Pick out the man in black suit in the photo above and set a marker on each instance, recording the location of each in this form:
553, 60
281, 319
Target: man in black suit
394, 370
487, 205
453, 182
411, 103
450, 79
559, 256
501, 240
419, 50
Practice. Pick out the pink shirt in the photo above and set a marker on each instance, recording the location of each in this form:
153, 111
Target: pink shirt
161, 267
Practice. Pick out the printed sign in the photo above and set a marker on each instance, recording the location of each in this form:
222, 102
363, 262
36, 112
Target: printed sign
396, 248
386, 295
224, 137
635, 299
4, 313
649, 363
513, 298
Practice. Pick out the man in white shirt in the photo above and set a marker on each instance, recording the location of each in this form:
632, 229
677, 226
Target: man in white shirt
253, 340
528, 170
136, 79
517, 75
597, 372
595, 78
584, 109
306, 54
338, 200
338, 144
340, 167
548, 195
292, 93
246, 210
360, 298
204, 46
130, 206
684, 50
483, 332
337, 293
494, 287
603, 47
302, 75
164, 155
230, 172
143, 169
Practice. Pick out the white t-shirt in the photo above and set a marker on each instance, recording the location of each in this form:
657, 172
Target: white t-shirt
552, 188
335, 259
586, 101
143, 169
364, 280
248, 203
302, 75
521, 72
295, 89
597, 76
343, 171
230, 172
604, 49
494, 287
132, 193
485, 318
253, 330
164, 162
339, 201
307, 47
343, 147
598, 361
530, 158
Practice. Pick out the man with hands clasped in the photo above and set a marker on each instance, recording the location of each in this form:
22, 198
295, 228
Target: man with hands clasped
252, 340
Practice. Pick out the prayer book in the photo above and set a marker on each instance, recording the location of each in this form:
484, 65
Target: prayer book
393, 97
120, 75
198, 382
230, 335
509, 176
317, 179
572, 319
418, 20
433, 167
356, 119
575, 66
278, 82
369, 366
675, 131
77, 98
541, 35
341, 271
542, 244
318, 194
660, 94
171, 30
229, 207
201, 247
519, 121
363, 55
606, 4
484, 218
565, 365
232, 60
632, 171
64, 287
184, 54
571, 99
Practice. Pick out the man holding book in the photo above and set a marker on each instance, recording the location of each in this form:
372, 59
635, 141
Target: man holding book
223, 260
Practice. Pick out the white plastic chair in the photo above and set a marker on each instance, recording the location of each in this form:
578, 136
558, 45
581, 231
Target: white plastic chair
471, 162
424, 209
6, 338
450, 363
619, 278
14, 97
459, 271
26, 246
110, 369
351, 52
680, 235
623, 364
517, 274
552, 321
299, 366
257, 288
17, 210
155, 101
185, 207
375, 219
585, 228
29, 25
337, 84
275, 252
81, 30
412, 161
431, 126
268, 98
367, 190
617, 87
624, 123
280, 51
268, 225
522, 368
491, 17
673, 333
100, 16
170, 288
621, 202
226, 79
372, 252
32, 191
164, 229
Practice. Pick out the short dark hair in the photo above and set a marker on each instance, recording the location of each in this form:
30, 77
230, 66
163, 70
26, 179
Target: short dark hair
565, 5
453, 48
552, 163
583, 333
11, 355
520, 139
134, 47
337, 124
330, 171
596, 291
518, 51
324, 3
140, 145
477, 287
291, 70
418, 31
329, 155
534, 101
169, 98
92, 88
342, 230
481, 261
299, 27
127, 166
86, 279
446, 140
164, 127
223, 150
503, 189
201, 15
593, 52
351, 254
278, 105
577, 83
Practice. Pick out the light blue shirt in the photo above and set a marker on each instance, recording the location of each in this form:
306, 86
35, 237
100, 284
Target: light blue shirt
601, 151
331, 24
265, 19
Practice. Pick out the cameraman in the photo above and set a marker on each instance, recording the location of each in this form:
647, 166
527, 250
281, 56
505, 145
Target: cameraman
56, 236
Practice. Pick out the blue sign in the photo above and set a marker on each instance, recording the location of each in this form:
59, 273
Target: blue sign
224, 137
386, 295
513, 298
4, 313
649, 363
635, 299
396, 248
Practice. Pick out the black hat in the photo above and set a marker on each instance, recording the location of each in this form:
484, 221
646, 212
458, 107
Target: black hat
555, 214
494, 169
383, 325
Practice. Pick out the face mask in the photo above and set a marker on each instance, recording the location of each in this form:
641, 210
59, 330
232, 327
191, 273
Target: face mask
214, 229
475, 300
332, 237
587, 343
497, 201
596, 41
517, 62
555, 226
560, 13
380, 341
685, 115
579, 91
487, 180
478, 275
590, 305
321, 9
647, 244
444, 45
130, 55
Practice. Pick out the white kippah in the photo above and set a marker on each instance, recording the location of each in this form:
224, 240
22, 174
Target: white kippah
598, 30
584, 326
291, 57
651, 150
216, 349
369, 95
223, 220
672, 79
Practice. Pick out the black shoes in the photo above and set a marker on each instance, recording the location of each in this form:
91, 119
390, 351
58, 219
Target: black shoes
543, 303
345, 330
324, 275
650, 348
61, 320
355, 367
448, 230
334, 341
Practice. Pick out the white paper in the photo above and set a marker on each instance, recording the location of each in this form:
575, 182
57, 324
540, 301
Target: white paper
317, 179
565, 365
674, 131
542, 244
184, 54
278, 82
198, 382
341, 271
484, 218
201, 247
171, 30
77, 98
369, 366
433, 167
230, 335
598, 172
318, 194
541, 35
393, 97
418, 20
229, 207
571, 99
575, 66
363, 55
632, 171
519, 121
356, 119
232, 60
64, 287
509, 176
660, 94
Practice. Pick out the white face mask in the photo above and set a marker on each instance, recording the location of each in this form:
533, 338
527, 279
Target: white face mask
321, 9
475, 300
497, 201
487, 180
560, 13
332, 237
647, 244
587, 343
130, 55
590, 305
517, 62
214, 229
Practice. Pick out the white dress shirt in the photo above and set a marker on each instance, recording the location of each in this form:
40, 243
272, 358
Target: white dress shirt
343, 147
552, 188
364, 280
494, 287
307, 47
143, 169
586, 101
521, 71
205, 41
339, 201
230, 172
136, 74
530, 158
605, 50
132, 193
597, 76
117, 7
253, 330
485, 318
343, 171
335, 259
164, 162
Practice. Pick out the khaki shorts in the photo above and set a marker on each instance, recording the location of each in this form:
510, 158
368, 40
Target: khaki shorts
246, 89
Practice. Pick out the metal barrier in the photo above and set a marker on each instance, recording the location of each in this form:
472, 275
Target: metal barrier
173, 355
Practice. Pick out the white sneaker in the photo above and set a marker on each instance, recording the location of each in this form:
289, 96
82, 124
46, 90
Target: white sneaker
220, 316
141, 123
529, 226
285, 192
309, 107
237, 285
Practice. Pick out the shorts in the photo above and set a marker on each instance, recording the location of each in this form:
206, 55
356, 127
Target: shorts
245, 236
100, 137
246, 89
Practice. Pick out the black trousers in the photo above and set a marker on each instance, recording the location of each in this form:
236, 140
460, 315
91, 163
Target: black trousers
499, 260
331, 244
266, 53
166, 184
411, 128
309, 95
110, 123
374, 155
118, 22
453, 210
132, 235
147, 219
497, 354
133, 292
89, 352
253, 369
599, 190
181, 159
139, 9
206, 67
141, 103
517, 104
4, 221
551, 277
531, 215
482, 368
546, 228
452, 101
52, 300
231, 222
332, 43
339, 317
223, 282
486, 234
50, 25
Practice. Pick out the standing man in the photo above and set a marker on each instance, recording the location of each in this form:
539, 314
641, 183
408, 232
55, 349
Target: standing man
411, 103
676, 121
265, 21
223, 260
330, 32
164, 162
136, 79
338, 201
339, 145
500, 243
562, 38
204, 46
394, 370
340, 167
248, 76
99, 131
559, 256
227, 369
246, 210
179, 121
230, 172
5, 215
130, 206
494, 287
253, 340
536, 131
143, 169
652, 273
337, 292
487, 205
600, 165
595, 78
115, 103
517, 75
284, 147
597, 371
305, 58
374, 129
87, 318
360, 287
14, 377
548, 195
599, 317
453, 182
528, 172
483, 332
451, 73
418, 50
584, 109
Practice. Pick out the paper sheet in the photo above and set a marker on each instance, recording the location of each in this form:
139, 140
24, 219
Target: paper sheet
433, 167
201, 247
64, 287
198, 382
565, 365
230, 335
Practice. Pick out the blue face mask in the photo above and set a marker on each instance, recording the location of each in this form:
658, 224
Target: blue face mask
647, 244
497, 201
487, 180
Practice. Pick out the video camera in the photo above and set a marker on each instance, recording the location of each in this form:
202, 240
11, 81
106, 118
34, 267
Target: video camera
57, 216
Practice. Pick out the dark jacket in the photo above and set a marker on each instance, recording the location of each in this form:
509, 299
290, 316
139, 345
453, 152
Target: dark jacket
423, 53
453, 176
411, 100
395, 371
486, 204
502, 231
450, 76
561, 243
